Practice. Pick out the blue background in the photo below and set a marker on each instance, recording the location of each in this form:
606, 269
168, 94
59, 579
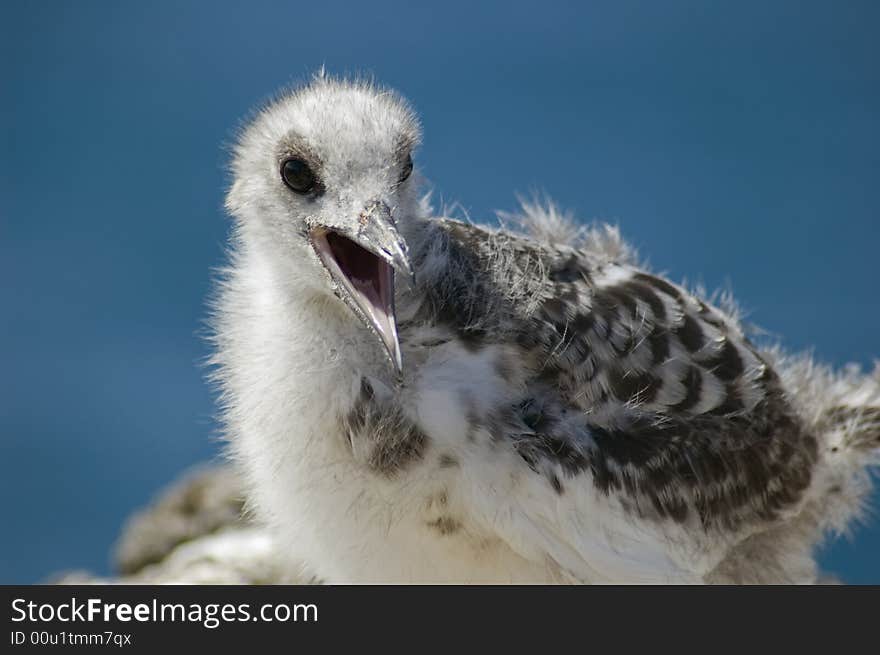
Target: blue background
735, 144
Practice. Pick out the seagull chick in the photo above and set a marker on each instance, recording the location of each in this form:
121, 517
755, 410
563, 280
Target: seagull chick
417, 399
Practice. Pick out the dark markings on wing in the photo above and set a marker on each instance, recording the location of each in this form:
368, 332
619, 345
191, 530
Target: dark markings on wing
710, 316
727, 365
721, 467
569, 270
660, 284
693, 383
583, 322
554, 309
659, 344
647, 295
536, 448
609, 299
732, 403
690, 333
724, 471
640, 387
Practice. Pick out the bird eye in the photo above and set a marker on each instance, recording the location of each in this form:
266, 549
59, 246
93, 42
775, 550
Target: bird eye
407, 169
297, 175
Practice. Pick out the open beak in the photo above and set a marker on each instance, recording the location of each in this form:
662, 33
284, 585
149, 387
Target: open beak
364, 264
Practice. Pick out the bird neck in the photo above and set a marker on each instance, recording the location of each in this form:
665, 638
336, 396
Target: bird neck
345, 344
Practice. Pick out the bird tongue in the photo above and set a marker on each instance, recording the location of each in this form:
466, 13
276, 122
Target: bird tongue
369, 280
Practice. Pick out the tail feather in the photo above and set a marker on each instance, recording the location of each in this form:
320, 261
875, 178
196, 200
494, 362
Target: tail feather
850, 415
859, 426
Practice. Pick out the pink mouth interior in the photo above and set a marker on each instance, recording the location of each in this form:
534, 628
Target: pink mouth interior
368, 278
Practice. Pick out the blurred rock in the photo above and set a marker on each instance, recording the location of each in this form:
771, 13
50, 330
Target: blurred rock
203, 501
195, 532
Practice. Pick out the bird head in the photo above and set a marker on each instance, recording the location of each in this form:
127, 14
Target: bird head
323, 181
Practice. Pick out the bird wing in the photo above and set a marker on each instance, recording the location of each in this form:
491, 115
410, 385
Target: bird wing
637, 393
